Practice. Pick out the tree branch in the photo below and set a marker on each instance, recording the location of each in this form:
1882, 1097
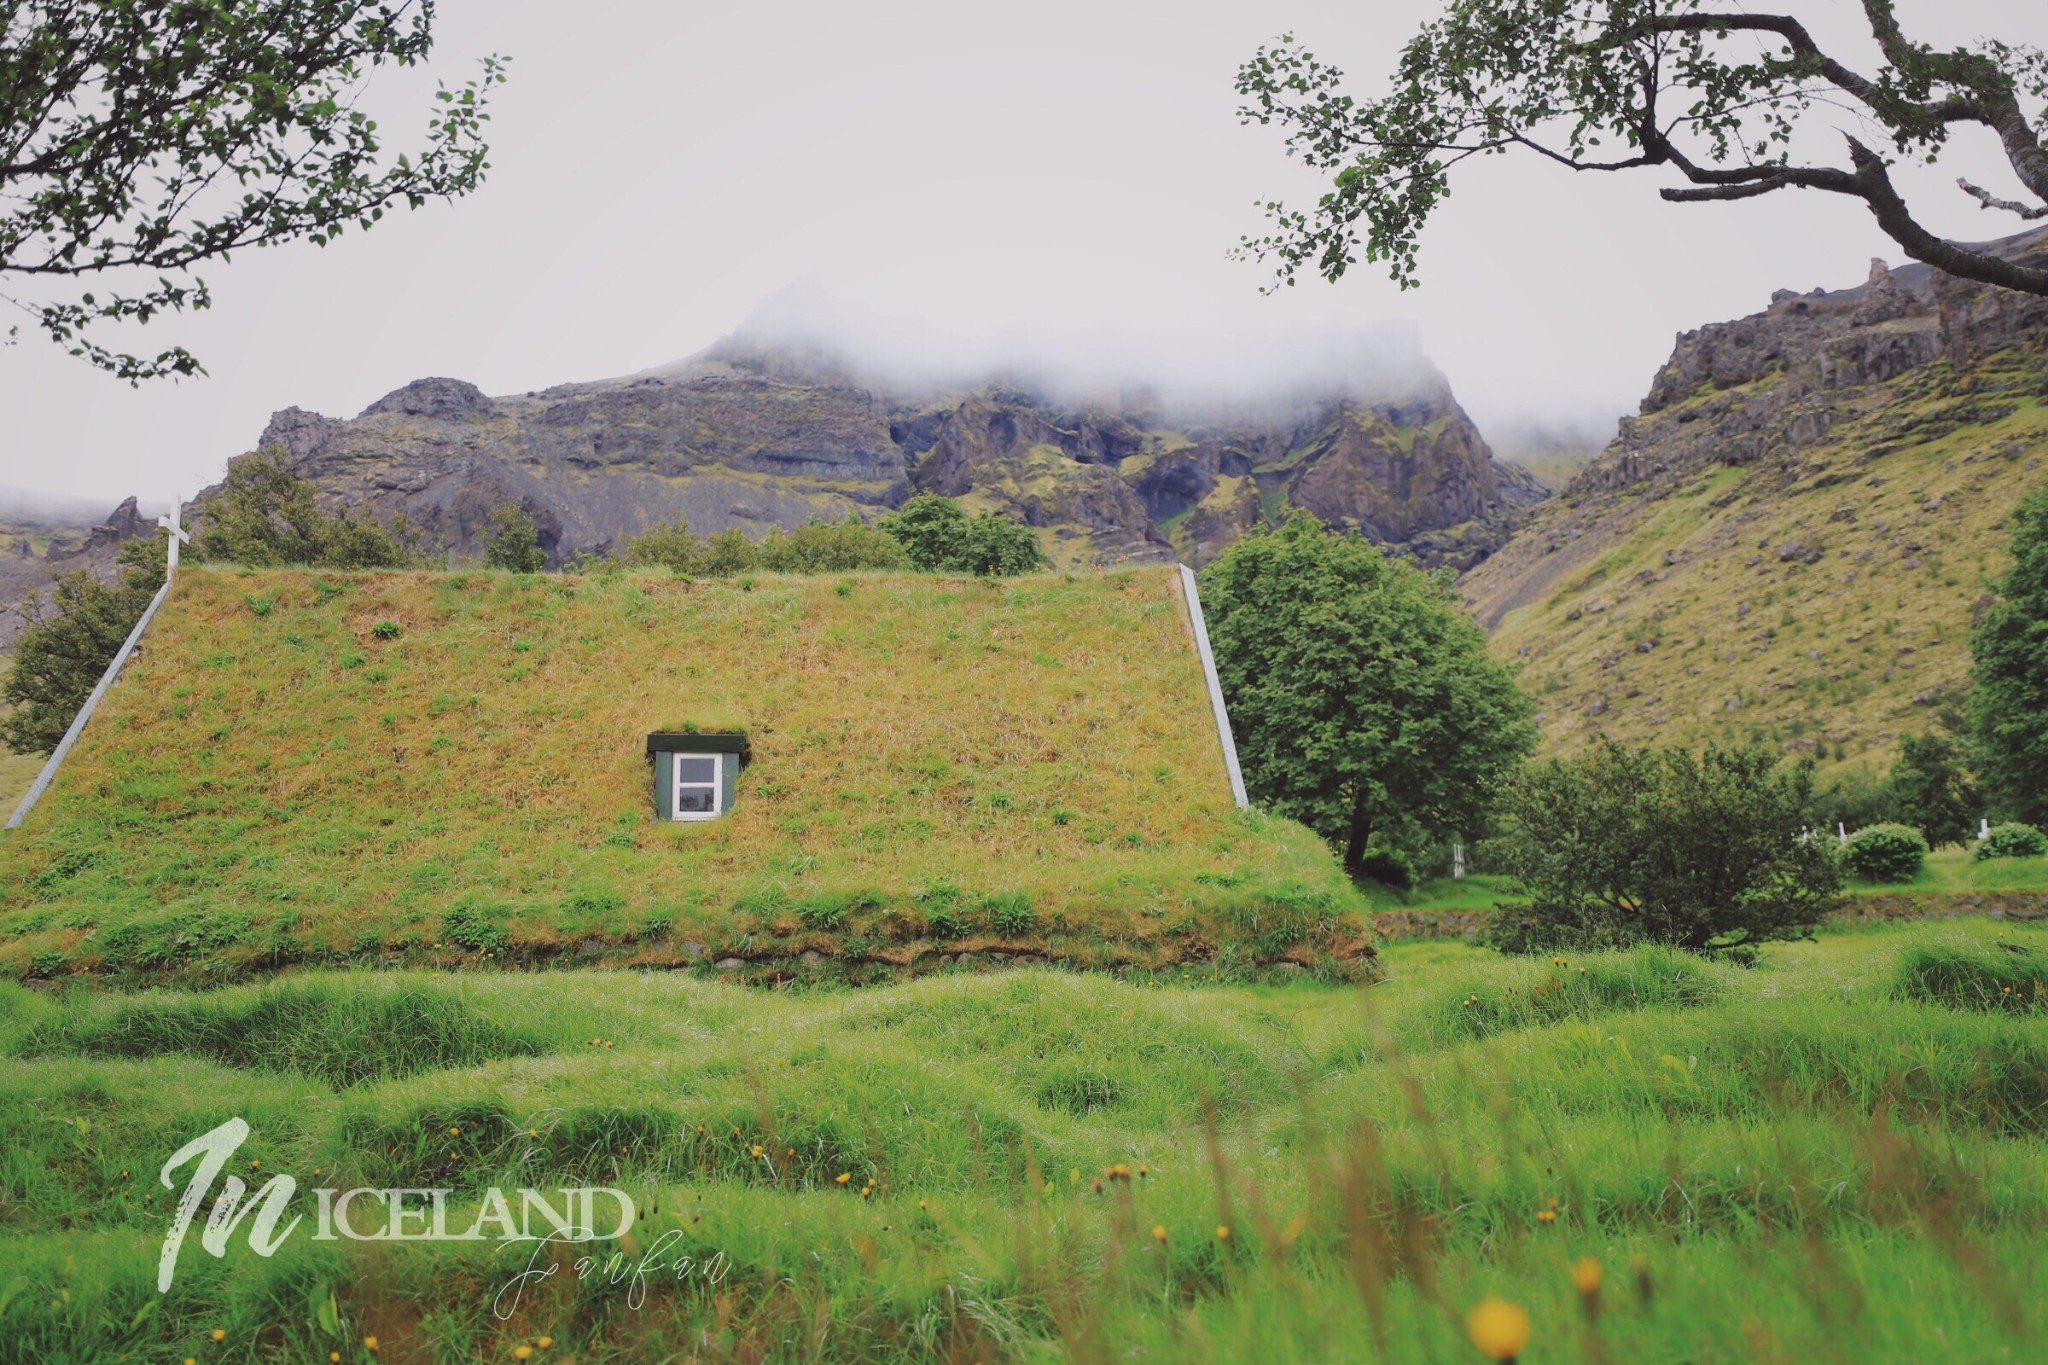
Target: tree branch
1874, 183
1983, 196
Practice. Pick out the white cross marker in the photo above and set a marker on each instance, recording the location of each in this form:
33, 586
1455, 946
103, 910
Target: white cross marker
170, 522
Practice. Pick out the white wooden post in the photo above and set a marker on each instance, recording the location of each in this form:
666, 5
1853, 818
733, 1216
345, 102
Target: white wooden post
1983, 828
1842, 833
171, 523
1457, 861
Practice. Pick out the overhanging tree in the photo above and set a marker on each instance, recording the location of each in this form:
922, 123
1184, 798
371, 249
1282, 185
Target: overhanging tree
1361, 695
1703, 88
140, 140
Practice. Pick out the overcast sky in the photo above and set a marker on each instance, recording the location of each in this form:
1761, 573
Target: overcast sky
1042, 175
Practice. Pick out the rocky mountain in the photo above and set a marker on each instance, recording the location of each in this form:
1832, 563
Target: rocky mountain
755, 435
38, 546
1789, 541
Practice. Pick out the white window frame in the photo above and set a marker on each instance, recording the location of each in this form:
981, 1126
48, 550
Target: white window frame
676, 785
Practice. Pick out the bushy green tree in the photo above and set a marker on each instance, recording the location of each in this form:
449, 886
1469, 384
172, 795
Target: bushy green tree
667, 545
729, 552
816, 546
1931, 792
2008, 703
1705, 852
930, 528
66, 646
941, 538
265, 516
1885, 853
832, 547
514, 541
1361, 695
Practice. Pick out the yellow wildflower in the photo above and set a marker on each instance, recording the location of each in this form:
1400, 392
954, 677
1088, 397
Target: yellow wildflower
1586, 1275
1498, 1328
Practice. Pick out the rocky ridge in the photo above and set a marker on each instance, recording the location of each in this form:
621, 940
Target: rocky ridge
1790, 538
757, 436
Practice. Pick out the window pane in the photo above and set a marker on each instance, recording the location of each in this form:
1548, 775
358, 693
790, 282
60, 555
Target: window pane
694, 800
691, 769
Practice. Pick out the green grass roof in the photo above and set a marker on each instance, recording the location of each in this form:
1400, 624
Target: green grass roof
937, 765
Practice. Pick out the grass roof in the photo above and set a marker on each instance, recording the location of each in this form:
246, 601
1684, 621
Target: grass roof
300, 766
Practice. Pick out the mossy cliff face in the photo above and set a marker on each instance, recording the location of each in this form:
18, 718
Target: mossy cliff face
1791, 539
757, 437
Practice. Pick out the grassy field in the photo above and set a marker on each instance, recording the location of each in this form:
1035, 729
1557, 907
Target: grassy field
430, 767
1835, 1155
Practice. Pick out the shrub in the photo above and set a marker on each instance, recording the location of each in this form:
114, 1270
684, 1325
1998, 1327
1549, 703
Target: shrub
514, 541
2013, 840
1885, 853
669, 545
66, 647
939, 537
728, 553
831, 547
265, 515
1705, 852
385, 630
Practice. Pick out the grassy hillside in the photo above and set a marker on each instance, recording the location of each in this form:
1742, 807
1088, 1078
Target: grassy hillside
1821, 601
1836, 1155
431, 768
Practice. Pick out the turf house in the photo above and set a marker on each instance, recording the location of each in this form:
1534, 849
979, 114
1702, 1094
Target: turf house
849, 777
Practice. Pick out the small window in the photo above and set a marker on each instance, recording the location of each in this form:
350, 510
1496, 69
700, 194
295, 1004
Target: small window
697, 794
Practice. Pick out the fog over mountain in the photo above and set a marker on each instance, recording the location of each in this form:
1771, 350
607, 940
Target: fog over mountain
1260, 361
1051, 186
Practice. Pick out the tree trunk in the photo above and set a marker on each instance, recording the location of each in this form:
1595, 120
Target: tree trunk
1361, 833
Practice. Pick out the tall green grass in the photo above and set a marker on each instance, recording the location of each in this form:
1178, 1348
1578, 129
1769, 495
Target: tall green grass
1786, 1161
